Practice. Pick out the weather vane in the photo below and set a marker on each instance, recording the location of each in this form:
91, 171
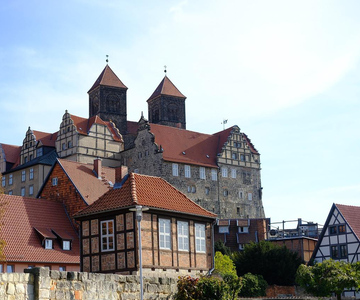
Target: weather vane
107, 58
165, 70
224, 122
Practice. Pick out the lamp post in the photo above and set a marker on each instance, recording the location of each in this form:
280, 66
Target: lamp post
139, 210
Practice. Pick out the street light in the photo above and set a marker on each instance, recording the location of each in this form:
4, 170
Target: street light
139, 210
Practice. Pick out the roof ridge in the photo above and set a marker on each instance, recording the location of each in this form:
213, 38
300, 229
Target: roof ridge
133, 188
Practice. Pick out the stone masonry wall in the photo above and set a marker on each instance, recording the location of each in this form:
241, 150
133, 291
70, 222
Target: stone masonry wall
41, 284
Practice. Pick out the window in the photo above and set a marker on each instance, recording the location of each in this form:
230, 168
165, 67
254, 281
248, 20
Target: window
10, 269
175, 169
187, 171
10, 179
200, 237
1, 268
31, 157
107, 235
146, 152
242, 157
23, 176
31, 174
243, 229
343, 251
164, 234
333, 229
48, 244
233, 173
31, 190
66, 245
214, 174
334, 252
10, 192
63, 146
62, 268
250, 196
69, 144
234, 155
193, 189
139, 155
22, 192
207, 190
224, 172
241, 194
39, 152
25, 160
189, 189
54, 181
238, 210
223, 229
183, 235
342, 229
202, 173
225, 192
237, 144
3, 181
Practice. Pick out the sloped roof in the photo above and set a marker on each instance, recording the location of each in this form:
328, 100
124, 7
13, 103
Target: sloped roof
352, 216
166, 87
11, 152
83, 125
47, 139
23, 241
108, 78
149, 191
85, 180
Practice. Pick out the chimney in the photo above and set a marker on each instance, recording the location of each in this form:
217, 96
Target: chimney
97, 167
120, 173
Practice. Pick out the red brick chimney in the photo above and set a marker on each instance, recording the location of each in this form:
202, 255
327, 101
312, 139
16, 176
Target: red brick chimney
98, 167
120, 173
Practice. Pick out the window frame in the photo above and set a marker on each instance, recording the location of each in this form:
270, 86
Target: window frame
68, 245
108, 238
54, 181
183, 235
250, 196
175, 169
23, 175
213, 174
10, 179
48, 244
31, 173
31, 190
224, 172
233, 173
202, 173
22, 191
187, 171
200, 238
164, 234
3, 183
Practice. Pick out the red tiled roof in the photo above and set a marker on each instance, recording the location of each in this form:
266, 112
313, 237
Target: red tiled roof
83, 126
352, 216
23, 242
108, 78
85, 180
11, 152
166, 87
47, 139
149, 191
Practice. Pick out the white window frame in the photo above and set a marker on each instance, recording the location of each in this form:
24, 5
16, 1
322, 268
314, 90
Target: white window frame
224, 172
31, 173
164, 234
23, 175
183, 235
250, 196
213, 174
200, 242
243, 229
202, 173
233, 173
187, 170
107, 235
48, 244
66, 245
175, 169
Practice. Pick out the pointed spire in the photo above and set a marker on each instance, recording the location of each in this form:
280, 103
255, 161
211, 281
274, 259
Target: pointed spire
108, 78
166, 87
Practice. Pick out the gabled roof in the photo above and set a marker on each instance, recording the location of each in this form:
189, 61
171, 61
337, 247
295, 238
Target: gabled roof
149, 191
108, 78
352, 216
46, 139
25, 223
84, 179
11, 152
166, 87
83, 126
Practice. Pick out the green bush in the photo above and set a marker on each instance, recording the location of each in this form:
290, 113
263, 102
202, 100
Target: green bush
224, 264
220, 246
253, 286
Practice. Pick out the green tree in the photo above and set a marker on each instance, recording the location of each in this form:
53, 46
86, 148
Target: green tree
277, 264
253, 286
224, 265
220, 246
329, 277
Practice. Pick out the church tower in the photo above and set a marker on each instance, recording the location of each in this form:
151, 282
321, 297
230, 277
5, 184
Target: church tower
166, 106
107, 98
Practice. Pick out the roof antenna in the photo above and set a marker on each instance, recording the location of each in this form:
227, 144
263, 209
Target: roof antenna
107, 59
165, 70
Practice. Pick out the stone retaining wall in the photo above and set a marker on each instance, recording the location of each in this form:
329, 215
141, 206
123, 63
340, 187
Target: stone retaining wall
41, 284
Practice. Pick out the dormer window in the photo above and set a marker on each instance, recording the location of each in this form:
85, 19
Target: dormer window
39, 152
48, 244
66, 245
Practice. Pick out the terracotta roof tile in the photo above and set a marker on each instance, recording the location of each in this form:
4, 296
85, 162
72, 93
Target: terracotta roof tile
108, 78
149, 191
11, 152
47, 139
23, 242
166, 87
84, 179
352, 216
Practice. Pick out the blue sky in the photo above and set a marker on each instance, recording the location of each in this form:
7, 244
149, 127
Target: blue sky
286, 72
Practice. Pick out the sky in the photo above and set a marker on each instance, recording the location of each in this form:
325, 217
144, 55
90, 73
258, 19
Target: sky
286, 72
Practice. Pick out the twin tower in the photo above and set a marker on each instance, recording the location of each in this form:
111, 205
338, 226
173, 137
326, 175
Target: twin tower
107, 98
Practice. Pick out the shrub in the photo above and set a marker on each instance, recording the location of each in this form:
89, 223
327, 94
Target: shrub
224, 265
253, 286
220, 246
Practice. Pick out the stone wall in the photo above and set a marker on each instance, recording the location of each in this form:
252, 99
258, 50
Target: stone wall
41, 284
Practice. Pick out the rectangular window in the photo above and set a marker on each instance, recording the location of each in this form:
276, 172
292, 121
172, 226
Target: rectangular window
31, 157
225, 192
164, 234
10, 179
48, 244
31, 174
1, 268
234, 155
342, 229
242, 157
207, 190
187, 171
233, 173
332, 229
63, 146
10, 269
200, 237
23, 176
107, 235
334, 252
224, 172
26, 160
175, 169
22, 192
3, 181
343, 251
54, 181
66, 245
62, 268
69, 144
139, 155
183, 235
202, 173
243, 229
214, 174
241, 194
250, 196
10, 192
31, 190
39, 152
223, 229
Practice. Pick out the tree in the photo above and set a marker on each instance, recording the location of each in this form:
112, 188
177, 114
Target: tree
224, 265
328, 277
253, 286
276, 264
221, 247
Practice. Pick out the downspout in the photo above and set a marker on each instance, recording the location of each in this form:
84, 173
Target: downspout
213, 246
